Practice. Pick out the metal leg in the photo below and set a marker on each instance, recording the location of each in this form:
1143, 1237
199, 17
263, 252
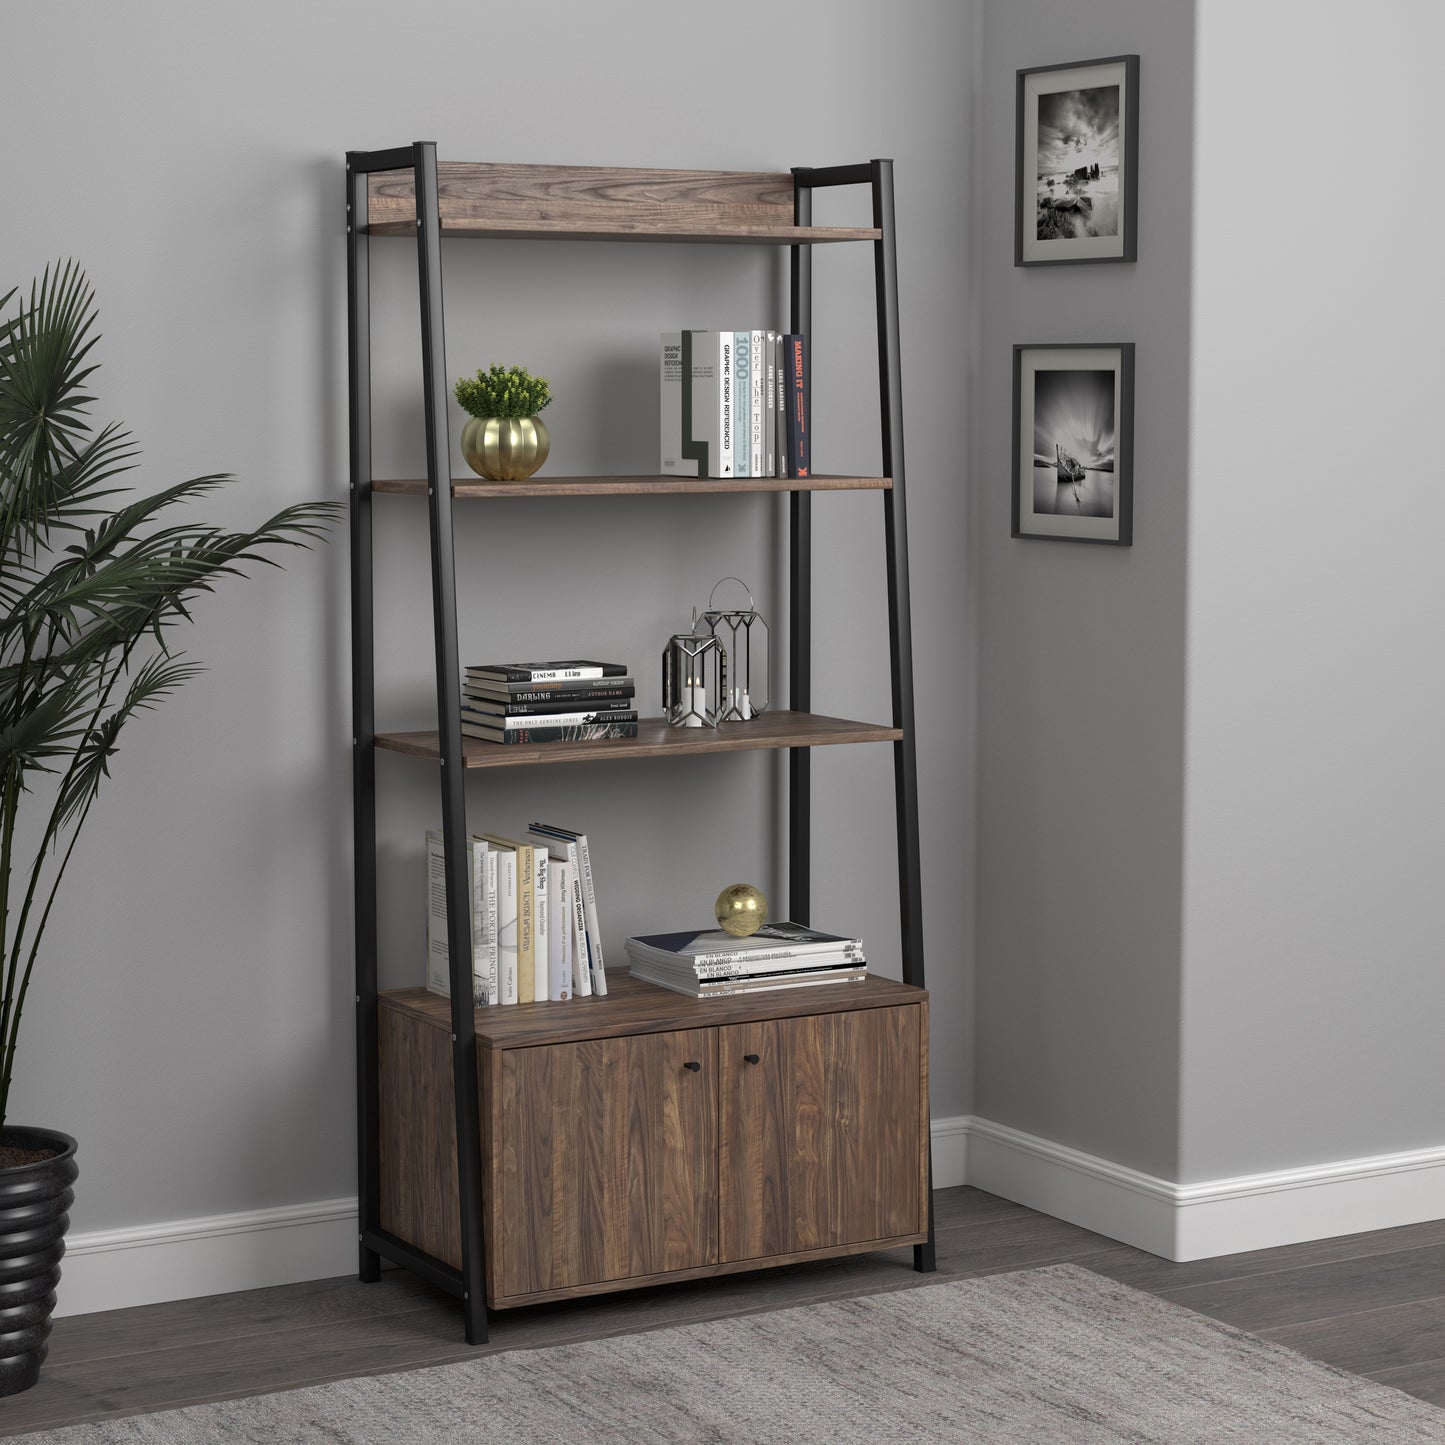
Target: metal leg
453, 799
363, 750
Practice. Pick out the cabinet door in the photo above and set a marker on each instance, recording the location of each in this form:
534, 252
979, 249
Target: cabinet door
823, 1138
605, 1160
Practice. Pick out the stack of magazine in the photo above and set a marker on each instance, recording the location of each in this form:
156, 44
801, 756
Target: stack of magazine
779, 955
548, 702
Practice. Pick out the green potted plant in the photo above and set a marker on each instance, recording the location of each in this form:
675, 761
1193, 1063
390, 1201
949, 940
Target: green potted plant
90, 588
505, 440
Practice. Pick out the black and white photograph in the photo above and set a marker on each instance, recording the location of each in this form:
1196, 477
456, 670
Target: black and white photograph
1076, 163
1073, 422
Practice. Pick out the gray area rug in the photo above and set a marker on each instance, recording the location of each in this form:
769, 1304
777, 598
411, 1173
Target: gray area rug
1055, 1356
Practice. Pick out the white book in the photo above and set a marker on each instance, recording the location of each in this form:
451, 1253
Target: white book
726, 404
542, 928
742, 393
506, 923
559, 972
484, 923
757, 380
674, 462
581, 973
770, 401
523, 722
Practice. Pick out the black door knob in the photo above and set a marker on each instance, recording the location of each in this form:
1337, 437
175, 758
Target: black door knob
751, 1058
693, 1065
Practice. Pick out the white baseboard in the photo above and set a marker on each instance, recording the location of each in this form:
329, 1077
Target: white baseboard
1220, 1216
118, 1268
112, 1269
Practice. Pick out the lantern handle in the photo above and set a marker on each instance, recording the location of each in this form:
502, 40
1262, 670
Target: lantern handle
752, 606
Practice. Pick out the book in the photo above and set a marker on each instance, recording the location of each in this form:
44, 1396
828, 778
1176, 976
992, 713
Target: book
676, 413
559, 932
743, 390
546, 707
550, 833
745, 968
501, 722
537, 733
542, 926
484, 922
693, 989
796, 368
526, 885
506, 926
707, 368
781, 439
773, 942
572, 693
757, 411
570, 671
581, 972
770, 401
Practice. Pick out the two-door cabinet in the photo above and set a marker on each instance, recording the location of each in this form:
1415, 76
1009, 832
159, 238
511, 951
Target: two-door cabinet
647, 1137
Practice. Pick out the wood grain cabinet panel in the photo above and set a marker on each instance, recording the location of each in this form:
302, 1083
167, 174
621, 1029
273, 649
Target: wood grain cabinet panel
605, 1163
821, 1137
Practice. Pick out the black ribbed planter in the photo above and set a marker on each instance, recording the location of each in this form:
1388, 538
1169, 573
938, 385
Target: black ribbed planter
34, 1204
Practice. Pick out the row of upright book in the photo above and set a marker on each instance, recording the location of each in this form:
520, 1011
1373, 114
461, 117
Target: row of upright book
533, 912
735, 404
548, 702
710, 962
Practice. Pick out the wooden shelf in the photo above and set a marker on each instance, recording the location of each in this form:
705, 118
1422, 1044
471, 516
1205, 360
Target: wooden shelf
636, 486
655, 739
634, 1007
697, 235
602, 203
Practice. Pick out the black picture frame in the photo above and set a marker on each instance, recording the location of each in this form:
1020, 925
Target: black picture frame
1076, 359
1082, 76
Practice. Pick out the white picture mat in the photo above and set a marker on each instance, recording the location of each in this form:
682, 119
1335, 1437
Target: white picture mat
1086, 77
1066, 358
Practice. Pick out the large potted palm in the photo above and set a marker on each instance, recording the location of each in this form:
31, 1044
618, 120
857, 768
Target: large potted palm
91, 586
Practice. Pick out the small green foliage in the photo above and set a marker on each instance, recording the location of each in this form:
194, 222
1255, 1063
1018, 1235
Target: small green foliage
504, 391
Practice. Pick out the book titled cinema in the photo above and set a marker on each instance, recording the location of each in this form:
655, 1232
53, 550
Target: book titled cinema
571, 671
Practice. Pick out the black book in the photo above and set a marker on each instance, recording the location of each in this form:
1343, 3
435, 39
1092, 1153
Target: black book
549, 703
577, 670
796, 390
590, 690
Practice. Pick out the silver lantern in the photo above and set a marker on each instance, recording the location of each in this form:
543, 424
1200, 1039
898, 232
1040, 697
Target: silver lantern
694, 678
744, 635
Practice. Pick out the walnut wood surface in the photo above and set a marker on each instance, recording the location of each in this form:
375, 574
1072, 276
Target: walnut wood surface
473, 487
655, 739
820, 1139
608, 1164
600, 203
634, 1007
418, 1154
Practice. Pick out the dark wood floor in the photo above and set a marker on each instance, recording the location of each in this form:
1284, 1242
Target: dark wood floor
1371, 1303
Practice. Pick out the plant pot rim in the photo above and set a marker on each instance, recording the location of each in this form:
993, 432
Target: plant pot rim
28, 1136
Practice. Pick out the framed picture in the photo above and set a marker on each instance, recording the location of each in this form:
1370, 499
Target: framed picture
1077, 162
1074, 442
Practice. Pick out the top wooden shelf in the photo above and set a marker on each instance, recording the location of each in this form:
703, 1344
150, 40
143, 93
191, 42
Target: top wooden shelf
600, 203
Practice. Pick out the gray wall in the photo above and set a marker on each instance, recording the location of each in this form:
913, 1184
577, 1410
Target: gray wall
1081, 669
193, 1023
1313, 990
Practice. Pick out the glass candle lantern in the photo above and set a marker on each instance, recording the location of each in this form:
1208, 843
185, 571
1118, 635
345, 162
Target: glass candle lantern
694, 678
744, 636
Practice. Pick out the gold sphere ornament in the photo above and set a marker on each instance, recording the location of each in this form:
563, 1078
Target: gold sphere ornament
741, 909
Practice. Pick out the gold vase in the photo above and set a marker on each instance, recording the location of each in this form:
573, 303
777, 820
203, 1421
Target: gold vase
505, 448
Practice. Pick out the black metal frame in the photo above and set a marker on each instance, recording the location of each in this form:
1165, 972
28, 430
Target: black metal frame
376, 1244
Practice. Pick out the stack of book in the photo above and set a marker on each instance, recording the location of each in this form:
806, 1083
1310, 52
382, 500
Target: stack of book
533, 911
779, 955
548, 702
735, 404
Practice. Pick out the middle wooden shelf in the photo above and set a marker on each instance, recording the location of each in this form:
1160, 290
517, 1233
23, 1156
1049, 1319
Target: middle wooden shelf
655, 739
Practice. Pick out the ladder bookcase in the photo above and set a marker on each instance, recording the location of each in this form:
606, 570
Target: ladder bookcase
542, 1151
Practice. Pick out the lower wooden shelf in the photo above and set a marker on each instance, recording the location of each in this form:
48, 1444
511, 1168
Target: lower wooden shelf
655, 739
647, 1137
